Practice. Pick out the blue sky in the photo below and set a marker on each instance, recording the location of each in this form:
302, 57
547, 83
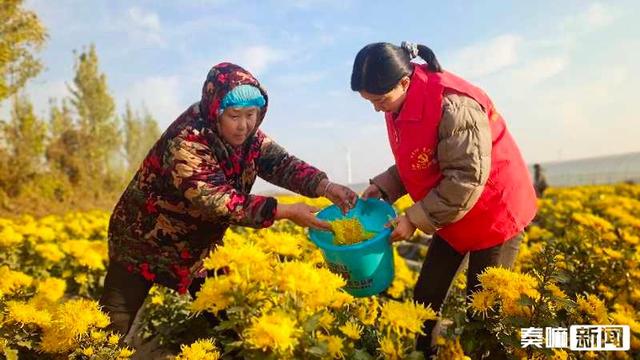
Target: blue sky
562, 72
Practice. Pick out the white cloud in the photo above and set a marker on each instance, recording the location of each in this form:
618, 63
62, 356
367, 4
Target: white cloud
594, 17
538, 70
145, 25
598, 15
486, 57
256, 59
161, 96
144, 20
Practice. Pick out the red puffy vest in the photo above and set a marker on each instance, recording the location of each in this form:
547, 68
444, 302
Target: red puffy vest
508, 201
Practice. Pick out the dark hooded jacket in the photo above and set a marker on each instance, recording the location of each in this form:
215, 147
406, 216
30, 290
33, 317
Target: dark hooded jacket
192, 186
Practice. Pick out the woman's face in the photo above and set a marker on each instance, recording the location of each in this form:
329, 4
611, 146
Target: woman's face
391, 101
235, 124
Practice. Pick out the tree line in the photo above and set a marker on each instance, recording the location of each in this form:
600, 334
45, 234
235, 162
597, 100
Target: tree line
83, 152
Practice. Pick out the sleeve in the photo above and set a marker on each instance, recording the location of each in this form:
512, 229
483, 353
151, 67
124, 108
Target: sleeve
464, 156
196, 173
280, 168
390, 184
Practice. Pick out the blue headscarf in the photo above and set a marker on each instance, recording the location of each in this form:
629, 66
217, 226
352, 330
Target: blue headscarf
242, 96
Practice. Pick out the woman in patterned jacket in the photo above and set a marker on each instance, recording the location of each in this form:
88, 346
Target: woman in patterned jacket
193, 184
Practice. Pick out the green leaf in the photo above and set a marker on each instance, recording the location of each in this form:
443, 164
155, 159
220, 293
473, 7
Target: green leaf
362, 354
415, 355
317, 351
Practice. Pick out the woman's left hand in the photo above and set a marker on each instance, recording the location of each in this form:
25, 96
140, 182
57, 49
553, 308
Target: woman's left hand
340, 195
403, 229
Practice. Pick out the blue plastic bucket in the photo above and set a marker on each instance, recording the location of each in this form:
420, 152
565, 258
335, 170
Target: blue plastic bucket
366, 266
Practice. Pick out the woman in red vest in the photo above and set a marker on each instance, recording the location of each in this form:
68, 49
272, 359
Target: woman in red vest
456, 159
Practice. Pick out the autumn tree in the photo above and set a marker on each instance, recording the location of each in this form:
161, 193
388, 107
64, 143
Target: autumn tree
140, 133
23, 137
97, 123
21, 35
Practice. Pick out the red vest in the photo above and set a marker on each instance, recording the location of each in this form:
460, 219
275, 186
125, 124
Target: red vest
508, 201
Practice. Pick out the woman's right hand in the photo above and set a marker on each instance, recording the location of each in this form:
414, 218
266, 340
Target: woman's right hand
372, 191
301, 214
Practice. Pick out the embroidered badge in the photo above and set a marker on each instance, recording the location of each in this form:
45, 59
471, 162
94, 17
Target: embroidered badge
422, 158
494, 116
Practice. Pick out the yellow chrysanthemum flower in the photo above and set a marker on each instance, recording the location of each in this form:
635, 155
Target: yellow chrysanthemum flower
127, 353
482, 301
49, 251
203, 349
349, 231
50, 290
405, 317
351, 330
594, 308
368, 310
318, 288
70, 320
559, 355
450, 349
282, 243
509, 286
27, 313
10, 281
92, 254
98, 335
591, 221
404, 277
246, 259
9, 237
334, 345
390, 349
214, 295
277, 332
326, 320
114, 339
556, 291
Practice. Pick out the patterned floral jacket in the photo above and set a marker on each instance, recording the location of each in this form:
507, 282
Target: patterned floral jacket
192, 185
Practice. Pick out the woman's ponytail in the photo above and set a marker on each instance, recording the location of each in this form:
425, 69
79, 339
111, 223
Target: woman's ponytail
430, 58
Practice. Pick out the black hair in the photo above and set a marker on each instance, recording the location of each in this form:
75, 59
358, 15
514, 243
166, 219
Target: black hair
378, 67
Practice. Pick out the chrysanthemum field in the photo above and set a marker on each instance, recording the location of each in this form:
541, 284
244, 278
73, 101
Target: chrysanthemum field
578, 265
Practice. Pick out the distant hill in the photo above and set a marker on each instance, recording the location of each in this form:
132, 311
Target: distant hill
596, 170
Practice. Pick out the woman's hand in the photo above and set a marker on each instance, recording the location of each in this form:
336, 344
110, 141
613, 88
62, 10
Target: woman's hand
301, 214
403, 228
372, 191
340, 195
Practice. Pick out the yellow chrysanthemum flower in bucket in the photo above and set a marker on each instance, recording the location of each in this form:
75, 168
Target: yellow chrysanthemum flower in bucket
349, 231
